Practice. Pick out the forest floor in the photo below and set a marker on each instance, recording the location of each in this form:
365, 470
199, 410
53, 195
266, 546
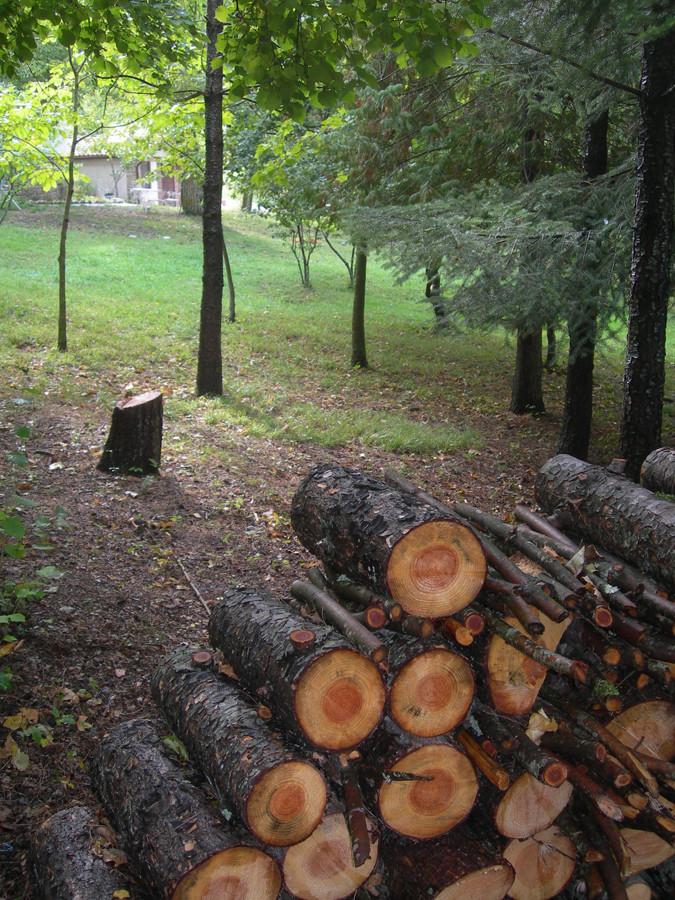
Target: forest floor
143, 559
124, 601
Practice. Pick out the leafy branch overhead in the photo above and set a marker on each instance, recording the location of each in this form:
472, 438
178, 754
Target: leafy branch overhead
318, 50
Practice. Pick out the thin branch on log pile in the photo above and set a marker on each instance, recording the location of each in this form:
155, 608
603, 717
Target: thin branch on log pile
458, 632
510, 597
600, 733
612, 848
192, 584
471, 619
566, 745
595, 794
357, 634
495, 557
512, 739
548, 658
362, 595
494, 773
415, 626
357, 820
372, 617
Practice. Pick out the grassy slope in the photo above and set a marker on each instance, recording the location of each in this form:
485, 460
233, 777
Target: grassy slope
134, 286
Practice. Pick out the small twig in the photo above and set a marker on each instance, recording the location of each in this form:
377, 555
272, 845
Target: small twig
192, 585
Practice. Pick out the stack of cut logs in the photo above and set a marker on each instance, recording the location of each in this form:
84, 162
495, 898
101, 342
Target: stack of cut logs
451, 707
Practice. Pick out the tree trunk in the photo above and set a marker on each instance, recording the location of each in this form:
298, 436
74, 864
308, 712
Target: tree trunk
328, 693
454, 867
422, 788
359, 359
644, 374
526, 388
210, 359
322, 868
391, 541
232, 311
543, 864
177, 844
658, 471
63, 863
575, 430
280, 796
191, 196
611, 511
430, 687
134, 445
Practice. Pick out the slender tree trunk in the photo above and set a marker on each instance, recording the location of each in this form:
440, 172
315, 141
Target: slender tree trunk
644, 374
231, 315
359, 358
526, 388
210, 360
575, 430
62, 337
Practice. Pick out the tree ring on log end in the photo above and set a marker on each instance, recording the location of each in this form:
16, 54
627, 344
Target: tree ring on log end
529, 806
543, 864
339, 699
645, 849
489, 883
426, 809
648, 726
436, 569
286, 804
321, 867
432, 693
239, 873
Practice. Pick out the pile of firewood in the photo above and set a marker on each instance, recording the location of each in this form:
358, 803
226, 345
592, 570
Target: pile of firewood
450, 707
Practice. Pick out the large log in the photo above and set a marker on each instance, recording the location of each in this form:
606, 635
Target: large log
454, 867
64, 863
430, 687
648, 727
612, 511
422, 787
134, 445
326, 692
529, 806
361, 527
321, 867
176, 843
278, 794
658, 471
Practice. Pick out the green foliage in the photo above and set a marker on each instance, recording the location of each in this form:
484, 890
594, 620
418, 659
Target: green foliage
17, 537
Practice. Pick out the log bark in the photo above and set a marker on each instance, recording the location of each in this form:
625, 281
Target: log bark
422, 788
430, 687
329, 694
455, 867
658, 471
63, 862
612, 511
390, 541
134, 445
321, 867
543, 864
169, 831
278, 794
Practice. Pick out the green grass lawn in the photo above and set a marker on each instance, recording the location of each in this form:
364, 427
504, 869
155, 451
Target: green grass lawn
134, 284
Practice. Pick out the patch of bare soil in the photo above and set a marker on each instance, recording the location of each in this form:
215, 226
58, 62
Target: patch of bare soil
142, 559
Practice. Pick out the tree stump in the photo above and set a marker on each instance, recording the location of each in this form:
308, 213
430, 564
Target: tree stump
175, 841
134, 445
62, 861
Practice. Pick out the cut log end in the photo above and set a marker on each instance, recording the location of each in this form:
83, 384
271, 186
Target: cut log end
645, 849
286, 804
544, 864
441, 796
339, 700
432, 693
529, 806
321, 867
490, 883
436, 569
243, 873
